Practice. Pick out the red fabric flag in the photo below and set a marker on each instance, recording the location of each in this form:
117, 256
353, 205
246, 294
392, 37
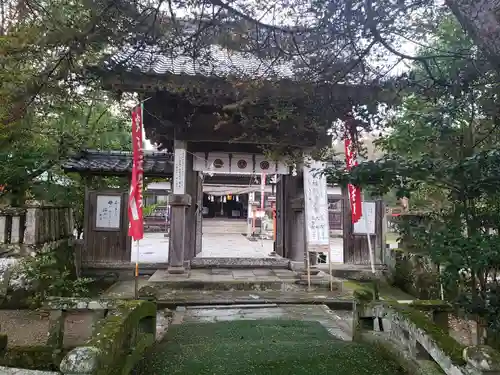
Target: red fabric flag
354, 191
136, 225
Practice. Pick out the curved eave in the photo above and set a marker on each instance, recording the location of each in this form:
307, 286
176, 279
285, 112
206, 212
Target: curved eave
121, 80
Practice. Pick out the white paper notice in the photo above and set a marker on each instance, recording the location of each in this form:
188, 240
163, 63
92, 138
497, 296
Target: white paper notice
108, 213
180, 171
368, 217
316, 204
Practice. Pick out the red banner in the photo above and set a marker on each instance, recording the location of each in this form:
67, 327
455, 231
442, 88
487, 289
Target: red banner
136, 224
354, 191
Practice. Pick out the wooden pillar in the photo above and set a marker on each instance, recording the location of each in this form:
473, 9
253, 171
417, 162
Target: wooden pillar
280, 203
179, 202
347, 228
191, 190
199, 217
294, 234
379, 248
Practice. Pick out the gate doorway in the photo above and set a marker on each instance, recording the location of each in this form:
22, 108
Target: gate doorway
105, 228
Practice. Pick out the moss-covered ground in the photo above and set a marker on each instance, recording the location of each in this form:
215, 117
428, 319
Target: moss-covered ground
261, 347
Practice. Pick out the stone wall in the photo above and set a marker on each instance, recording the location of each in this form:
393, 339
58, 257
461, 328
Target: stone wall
125, 332
20, 371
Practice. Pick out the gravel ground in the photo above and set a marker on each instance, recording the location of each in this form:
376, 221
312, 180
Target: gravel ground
464, 331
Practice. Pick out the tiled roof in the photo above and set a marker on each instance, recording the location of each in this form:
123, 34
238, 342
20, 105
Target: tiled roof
119, 163
218, 62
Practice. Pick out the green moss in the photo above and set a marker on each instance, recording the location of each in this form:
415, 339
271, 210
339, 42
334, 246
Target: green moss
32, 357
277, 347
362, 292
3, 343
386, 292
431, 305
363, 295
443, 340
117, 339
391, 352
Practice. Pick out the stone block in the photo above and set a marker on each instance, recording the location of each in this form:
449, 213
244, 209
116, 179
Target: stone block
243, 274
56, 328
62, 303
179, 200
81, 361
176, 270
3, 229
482, 359
440, 318
5, 273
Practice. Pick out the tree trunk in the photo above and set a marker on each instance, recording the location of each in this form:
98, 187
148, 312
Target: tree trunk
480, 19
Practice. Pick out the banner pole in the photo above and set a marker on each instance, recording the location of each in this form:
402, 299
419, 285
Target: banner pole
136, 285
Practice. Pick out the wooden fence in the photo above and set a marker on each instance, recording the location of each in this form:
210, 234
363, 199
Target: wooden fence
33, 225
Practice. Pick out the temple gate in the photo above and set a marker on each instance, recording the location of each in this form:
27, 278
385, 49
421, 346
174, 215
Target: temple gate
217, 111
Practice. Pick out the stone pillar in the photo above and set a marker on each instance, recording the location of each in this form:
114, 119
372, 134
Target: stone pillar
440, 318
179, 202
32, 226
3, 228
15, 234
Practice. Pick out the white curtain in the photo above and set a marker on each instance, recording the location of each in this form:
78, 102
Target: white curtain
219, 191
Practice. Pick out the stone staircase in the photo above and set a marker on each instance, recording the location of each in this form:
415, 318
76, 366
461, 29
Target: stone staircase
224, 226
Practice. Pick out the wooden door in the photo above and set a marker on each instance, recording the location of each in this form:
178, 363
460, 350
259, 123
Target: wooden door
106, 228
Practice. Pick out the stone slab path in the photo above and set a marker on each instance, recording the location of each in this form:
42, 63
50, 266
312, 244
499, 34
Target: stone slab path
227, 274
154, 247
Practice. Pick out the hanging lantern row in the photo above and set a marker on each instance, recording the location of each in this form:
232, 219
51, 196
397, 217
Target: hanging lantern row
225, 198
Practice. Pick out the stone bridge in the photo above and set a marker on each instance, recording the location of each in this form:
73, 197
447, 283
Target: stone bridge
393, 338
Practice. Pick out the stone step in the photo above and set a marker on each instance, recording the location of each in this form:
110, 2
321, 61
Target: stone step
244, 263
237, 229
336, 299
218, 279
224, 231
224, 226
355, 272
